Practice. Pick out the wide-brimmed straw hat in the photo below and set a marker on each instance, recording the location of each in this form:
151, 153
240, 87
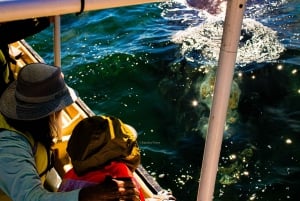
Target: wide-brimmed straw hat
39, 91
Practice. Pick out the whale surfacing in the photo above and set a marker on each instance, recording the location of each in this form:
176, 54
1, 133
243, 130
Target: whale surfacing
211, 6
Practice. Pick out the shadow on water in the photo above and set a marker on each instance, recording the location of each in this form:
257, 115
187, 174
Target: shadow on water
261, 160
260, 155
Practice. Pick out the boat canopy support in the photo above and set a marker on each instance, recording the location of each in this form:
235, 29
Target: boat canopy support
17, 10
226, 64
57, 41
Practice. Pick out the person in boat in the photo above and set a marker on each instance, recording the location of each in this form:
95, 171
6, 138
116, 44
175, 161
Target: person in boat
30, 118
101, 147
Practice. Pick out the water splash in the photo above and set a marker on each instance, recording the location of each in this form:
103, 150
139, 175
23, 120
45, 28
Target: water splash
201, 44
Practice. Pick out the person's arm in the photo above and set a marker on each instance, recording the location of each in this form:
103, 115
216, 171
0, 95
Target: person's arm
20, 180
18, 176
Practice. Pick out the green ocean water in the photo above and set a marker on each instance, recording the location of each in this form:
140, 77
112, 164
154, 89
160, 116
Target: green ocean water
124, 62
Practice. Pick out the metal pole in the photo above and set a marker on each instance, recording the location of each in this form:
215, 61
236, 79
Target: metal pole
228, 51
57, 42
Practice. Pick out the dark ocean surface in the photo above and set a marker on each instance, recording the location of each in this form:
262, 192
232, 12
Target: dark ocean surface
153, 66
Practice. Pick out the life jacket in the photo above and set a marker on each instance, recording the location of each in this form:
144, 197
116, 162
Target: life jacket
72, 181
41, 155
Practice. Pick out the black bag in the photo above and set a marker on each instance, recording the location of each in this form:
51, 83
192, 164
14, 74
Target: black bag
16, 30
11, 32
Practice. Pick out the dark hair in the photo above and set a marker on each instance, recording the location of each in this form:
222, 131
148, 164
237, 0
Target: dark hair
39, 129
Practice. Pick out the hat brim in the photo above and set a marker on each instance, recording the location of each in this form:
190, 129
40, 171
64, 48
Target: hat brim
14, 109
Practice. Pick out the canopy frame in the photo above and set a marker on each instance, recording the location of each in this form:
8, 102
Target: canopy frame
217, 118
17, 10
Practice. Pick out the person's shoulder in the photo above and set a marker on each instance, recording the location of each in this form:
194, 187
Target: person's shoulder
7, 133
9, 138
